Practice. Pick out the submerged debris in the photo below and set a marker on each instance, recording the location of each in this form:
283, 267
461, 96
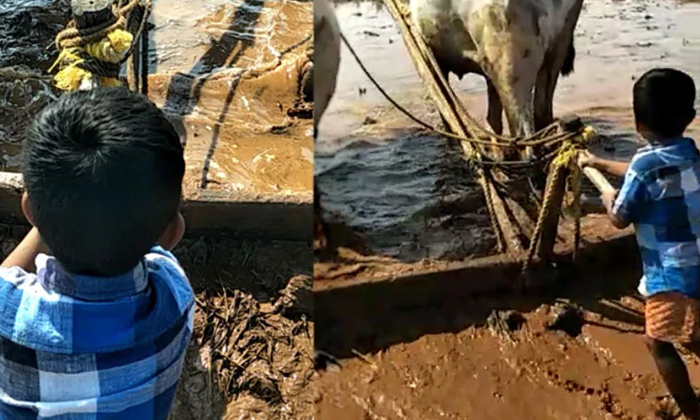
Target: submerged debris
503, 322
325, 361
296, 299
251, 361
566, 317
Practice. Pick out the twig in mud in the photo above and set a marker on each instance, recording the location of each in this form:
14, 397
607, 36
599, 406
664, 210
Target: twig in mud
368, 410
365, 359
251, 351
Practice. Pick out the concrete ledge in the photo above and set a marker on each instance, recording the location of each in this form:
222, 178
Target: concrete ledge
264, 219
352, 313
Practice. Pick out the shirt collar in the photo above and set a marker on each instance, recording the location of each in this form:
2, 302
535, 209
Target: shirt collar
55, 278
673, 142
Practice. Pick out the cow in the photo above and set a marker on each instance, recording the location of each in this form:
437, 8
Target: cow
326, 57
519, 46
326, 64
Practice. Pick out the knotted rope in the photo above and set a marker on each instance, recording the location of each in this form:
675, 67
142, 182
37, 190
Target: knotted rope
99, 50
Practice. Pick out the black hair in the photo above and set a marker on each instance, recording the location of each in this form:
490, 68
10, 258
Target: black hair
103, 170
664, 101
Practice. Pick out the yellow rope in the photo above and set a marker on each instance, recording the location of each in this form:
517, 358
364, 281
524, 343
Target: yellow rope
567, 157
110, 49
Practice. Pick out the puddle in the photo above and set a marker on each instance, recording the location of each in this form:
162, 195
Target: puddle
238, 63
399, 186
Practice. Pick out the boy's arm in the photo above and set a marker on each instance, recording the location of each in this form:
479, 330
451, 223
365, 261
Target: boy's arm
609, 204
612, 167
626, 206
26, 252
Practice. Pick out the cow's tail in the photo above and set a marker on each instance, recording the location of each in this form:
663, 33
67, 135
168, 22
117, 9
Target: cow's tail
568, 66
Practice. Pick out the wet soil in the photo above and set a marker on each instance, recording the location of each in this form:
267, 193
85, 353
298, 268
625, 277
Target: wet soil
452, 360
407, 192
262, 289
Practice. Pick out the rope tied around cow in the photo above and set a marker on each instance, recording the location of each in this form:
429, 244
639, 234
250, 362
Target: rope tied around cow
99, 48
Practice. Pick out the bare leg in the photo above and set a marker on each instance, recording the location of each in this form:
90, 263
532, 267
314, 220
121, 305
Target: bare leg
675, 375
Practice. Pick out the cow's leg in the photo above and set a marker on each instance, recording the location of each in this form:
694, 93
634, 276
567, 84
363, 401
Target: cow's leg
495, 115
446, 76
559, 60
495, 112
513, 72
544, 94
547, 79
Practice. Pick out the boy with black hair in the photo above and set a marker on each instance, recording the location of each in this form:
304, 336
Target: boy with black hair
661, 197
98, 330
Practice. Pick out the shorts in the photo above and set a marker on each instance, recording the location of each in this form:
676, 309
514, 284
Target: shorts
672, 317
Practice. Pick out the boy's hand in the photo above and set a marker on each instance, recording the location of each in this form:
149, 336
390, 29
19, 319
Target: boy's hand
608, 198
26, 252
586, 158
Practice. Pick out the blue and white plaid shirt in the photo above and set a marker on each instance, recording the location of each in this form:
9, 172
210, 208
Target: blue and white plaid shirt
93, 348
661, 197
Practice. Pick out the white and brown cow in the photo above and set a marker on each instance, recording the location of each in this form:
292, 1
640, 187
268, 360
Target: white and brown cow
519, 46
326, 64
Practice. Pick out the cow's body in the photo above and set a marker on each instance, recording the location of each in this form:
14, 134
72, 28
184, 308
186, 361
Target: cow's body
520, 46
326, 64
326, 57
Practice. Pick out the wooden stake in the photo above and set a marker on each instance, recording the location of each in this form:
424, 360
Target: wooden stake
598, 180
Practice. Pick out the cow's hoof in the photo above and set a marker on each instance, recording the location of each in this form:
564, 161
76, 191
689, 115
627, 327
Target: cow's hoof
320, 236
306, 83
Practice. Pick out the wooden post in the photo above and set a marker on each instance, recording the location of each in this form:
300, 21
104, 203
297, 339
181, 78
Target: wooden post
556, 185
456, 117
87, 14
136, 68
144, 48
598, 180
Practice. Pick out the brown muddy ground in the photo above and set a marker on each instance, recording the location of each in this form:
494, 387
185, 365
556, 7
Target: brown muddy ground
229, 73
450, 361
406, 191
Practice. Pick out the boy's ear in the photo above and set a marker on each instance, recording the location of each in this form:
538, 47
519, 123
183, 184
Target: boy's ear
26, 208
173, 233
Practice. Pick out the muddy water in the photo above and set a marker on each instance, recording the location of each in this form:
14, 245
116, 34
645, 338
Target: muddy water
239, 65
448, 363
400, 186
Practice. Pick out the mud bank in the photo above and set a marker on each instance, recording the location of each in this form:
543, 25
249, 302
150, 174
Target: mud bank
448, 358
407, 191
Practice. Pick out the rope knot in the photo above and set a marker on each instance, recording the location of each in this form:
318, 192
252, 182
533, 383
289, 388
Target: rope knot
92, 50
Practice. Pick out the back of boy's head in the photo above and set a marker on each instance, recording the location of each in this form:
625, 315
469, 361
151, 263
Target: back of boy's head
664, 101
103, 172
